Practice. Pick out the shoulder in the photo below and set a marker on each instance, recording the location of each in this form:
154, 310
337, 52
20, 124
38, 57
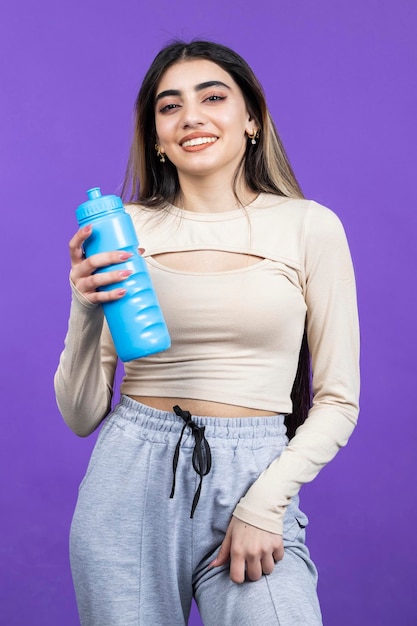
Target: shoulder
293, 227
303, 217
293, 209
154, 227
139, 212
322, 226
296, 217
145, 218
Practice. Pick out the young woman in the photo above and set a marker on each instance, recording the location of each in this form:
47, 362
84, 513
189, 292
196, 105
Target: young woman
192, 488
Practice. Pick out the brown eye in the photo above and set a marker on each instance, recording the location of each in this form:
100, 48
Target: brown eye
168, 107
215, 98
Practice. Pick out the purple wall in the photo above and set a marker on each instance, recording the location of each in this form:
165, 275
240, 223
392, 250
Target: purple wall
340, 81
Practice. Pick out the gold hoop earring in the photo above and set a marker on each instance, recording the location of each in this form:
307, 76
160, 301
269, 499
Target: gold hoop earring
159, 153
253, 136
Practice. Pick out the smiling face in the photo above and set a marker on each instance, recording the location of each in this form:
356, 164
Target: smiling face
201, 119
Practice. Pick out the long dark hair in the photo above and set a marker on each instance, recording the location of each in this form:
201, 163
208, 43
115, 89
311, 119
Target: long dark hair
268, 169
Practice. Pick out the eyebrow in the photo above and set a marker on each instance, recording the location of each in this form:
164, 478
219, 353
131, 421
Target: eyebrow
199, 87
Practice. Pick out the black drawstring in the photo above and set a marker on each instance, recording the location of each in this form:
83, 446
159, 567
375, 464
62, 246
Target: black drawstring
201, 454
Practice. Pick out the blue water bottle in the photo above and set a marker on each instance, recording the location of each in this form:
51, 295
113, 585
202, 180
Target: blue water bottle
136, 322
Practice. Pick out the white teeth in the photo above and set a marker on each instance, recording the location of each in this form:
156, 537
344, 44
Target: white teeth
198, 141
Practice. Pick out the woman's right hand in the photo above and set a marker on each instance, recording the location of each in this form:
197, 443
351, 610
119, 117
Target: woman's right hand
82, 270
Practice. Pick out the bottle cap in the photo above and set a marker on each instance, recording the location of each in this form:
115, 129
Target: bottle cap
97, 204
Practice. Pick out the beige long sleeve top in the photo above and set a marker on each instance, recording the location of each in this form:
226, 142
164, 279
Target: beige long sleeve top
236, 335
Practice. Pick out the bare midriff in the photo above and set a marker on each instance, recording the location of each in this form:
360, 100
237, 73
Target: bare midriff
201, 407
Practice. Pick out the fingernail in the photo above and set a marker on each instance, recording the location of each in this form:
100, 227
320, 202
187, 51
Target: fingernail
125, 255
87, 229
125, 273
213, 563
121, 292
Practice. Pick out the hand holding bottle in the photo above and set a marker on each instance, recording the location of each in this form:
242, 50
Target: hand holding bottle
115, 275
83, 269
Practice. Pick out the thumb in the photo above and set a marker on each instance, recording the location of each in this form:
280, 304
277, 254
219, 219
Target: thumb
224, 552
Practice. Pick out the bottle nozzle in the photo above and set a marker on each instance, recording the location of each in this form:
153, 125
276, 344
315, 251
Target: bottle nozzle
94, 193
98, 205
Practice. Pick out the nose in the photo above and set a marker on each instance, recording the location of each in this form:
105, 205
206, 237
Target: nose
192, 115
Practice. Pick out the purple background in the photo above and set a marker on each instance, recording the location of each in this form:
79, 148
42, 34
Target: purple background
340, 81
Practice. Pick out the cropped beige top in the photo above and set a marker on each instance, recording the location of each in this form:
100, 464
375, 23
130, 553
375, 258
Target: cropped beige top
236, 335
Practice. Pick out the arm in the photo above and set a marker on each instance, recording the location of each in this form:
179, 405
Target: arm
333, 335
84, 378
85, 375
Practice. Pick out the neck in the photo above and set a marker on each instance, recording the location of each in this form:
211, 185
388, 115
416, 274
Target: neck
208, 195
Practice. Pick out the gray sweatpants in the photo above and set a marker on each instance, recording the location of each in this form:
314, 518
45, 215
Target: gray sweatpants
136, 555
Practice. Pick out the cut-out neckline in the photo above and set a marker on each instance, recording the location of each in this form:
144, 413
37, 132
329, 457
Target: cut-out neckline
205, 262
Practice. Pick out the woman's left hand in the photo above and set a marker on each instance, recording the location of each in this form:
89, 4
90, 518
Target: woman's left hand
250, 550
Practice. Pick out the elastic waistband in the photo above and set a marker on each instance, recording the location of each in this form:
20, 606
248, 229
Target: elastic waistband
219, 427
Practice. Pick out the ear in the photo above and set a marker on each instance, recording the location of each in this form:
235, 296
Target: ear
251, 129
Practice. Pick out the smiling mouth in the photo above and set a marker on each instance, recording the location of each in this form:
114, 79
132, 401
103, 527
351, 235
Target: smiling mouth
198, 141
